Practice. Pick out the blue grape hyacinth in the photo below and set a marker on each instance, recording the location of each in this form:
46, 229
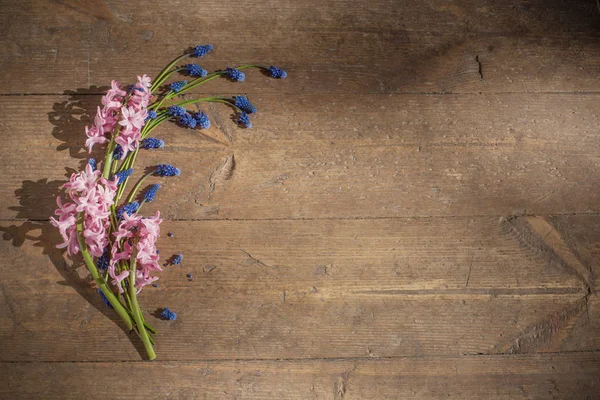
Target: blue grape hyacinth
244, 120
128, 208
200, 51
177, 86
118, 152
123, 175
277, 73
166, 170
187, 120
152, 143
235, 74
176, 111
195, 70
151, 192
244, 104
168, 314
202, 120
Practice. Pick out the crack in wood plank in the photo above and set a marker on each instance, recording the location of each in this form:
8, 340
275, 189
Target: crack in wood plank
257, 261
540, 235
342, 383
548, 334
222, 173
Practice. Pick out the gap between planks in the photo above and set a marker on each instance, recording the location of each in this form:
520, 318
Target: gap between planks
400, 217
316, 359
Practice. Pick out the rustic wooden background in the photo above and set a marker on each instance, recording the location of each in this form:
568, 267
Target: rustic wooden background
414, 215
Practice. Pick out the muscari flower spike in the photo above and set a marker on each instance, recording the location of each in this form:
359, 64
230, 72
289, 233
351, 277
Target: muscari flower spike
176, 111
122, 175
118, 152
128, 208
277, 73
177, 86
104, 299
244, 104
152, 143
244, 120
202, 120
187, 120
92, 162
235, 74
195, 70
151, 115
177, 259
166, 170
103, 260
151, 192
168, 314
200, 51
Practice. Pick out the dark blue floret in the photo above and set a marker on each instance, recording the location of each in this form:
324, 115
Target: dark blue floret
177, 86
104, 299
176, 111
128, 208
200, 51
244, 104
168, 314
244, 120
122, 175
195, 70
187, 120
151, 192
166, 170
103, 260
118, 152
152, 143
235, 74
275, 72
92, 162
177, 259
202, 120
151, 115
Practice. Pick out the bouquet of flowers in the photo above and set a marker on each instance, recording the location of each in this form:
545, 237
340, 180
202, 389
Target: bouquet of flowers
117, 243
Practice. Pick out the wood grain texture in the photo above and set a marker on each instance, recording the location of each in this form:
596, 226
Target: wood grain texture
328, 47
553, 376
414, 215
263, 289
387, 156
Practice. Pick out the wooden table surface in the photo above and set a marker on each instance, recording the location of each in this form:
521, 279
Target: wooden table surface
415, 214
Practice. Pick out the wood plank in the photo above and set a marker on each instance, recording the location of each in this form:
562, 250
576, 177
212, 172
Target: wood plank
409, 46
393, 156
553, 376
296, 289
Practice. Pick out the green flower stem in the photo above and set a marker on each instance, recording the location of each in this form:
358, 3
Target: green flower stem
164, 74
213, 99
213, 75
159, 103
137, 313
114, 302
195, 83
137, 187
108, 158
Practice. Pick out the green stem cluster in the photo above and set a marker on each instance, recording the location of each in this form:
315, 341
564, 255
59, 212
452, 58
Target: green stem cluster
129, 309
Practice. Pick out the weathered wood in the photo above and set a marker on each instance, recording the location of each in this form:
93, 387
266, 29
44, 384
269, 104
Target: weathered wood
408, 46
554, 376
296, 289
318, 157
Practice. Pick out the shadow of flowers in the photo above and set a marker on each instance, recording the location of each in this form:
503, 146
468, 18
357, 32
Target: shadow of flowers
37, 199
